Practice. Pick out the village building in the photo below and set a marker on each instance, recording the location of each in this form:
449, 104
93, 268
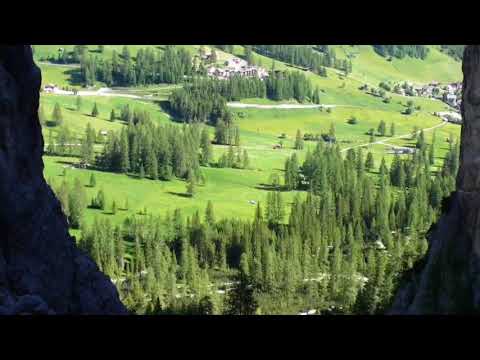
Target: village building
236, 67
452, 117
50, 88
402, 150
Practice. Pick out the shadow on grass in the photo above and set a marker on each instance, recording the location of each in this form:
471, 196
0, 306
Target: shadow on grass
269, 187
179, 194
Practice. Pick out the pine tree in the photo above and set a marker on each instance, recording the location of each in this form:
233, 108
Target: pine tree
382, 128
392, 129
76, 204
79, 103
209, 216
369, 162
206, 148
57, 116
95, 110
299, 140
112, 115
191, 185
114, 207
93, 181
241, 299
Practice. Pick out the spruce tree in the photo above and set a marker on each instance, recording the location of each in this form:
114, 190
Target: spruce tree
209, 216
93, 181
191, 185
112, 115
95, 110
369, 162
57, 116
79, 103
206, 148
299, 140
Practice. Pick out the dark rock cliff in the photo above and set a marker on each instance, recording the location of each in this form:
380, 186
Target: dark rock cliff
41, 269
448, 279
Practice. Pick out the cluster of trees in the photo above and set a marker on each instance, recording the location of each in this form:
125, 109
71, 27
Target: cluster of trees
155, 151
455, 51
401, 51
291, 85
204, 99
148, 67
311, 58
229, 159
410, 108
73, 199
342, 246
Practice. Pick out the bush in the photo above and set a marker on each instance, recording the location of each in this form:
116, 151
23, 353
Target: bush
352, 121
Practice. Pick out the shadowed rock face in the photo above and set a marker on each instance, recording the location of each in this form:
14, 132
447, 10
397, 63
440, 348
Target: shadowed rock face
448, 280
41, 269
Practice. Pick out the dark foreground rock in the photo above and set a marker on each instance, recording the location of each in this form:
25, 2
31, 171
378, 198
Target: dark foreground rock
448, 280
41, 269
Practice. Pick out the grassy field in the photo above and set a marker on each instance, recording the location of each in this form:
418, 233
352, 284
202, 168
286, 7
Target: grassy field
77, 120
369, 67
231, 190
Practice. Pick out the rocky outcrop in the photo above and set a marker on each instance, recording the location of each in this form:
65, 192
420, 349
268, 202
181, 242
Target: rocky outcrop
447, 281
41, 269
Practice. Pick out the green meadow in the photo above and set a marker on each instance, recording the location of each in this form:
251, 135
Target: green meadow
233, 191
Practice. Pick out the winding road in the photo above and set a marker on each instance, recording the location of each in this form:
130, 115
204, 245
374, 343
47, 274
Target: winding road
385, 141
279, 106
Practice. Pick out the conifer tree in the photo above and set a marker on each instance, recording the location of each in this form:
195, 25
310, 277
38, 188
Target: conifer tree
93, 181
57, 116
95, 110
79, 103
112, 115
369, 162
209, 216
206, 148
299, 140
191, 184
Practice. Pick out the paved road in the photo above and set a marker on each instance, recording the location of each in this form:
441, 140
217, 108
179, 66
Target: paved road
279, 106
60, 65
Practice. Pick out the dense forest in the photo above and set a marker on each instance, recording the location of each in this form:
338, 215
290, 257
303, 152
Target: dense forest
401, 51
204, 100
455, 51
155, 151
312, 58
339, 249
148, 67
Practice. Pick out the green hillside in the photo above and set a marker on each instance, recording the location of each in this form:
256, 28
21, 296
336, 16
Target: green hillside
301, 255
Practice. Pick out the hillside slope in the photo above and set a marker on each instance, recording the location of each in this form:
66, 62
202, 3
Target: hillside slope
372, 68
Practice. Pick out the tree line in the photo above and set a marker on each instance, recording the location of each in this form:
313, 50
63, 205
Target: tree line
148, 67
401, 51
312, 58
338, 249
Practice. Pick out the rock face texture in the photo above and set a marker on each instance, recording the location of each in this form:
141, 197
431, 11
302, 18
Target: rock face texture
448, 279
41, 269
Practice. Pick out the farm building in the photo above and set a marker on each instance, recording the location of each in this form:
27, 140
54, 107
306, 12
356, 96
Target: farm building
402, 150
236, 66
